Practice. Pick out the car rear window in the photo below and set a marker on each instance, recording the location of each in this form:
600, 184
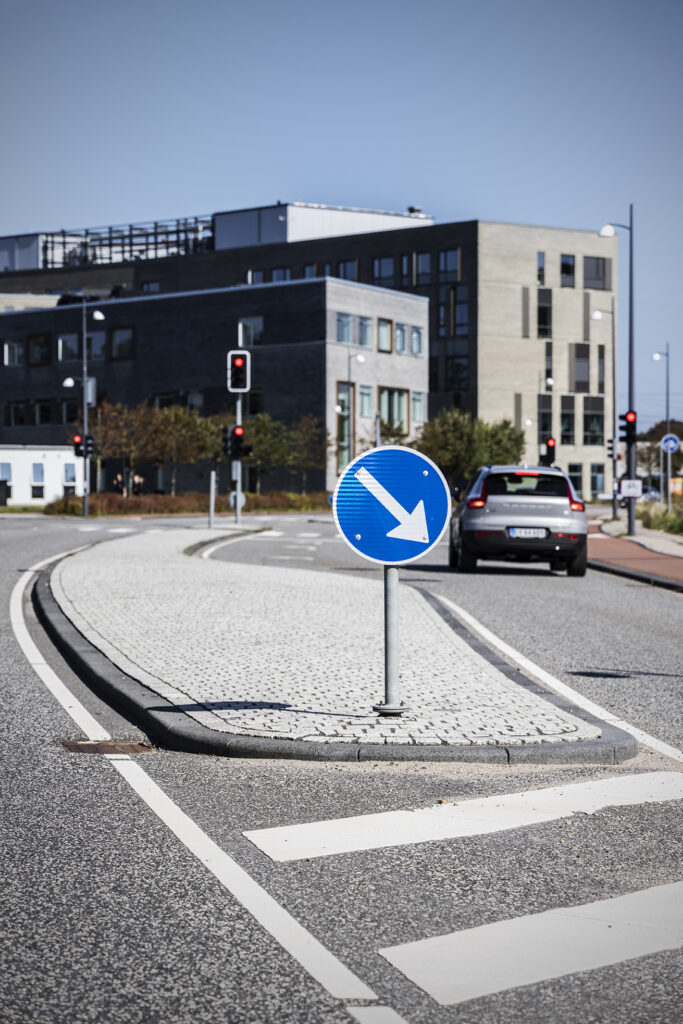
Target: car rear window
542, 484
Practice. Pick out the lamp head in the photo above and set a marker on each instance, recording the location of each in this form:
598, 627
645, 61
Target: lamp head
596, 315
657, 356
607, 231
68, 382
97, 314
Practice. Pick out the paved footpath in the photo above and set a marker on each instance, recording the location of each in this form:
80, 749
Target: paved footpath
650, 556
288, 654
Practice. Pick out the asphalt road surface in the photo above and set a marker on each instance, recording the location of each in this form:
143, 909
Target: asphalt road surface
110, 914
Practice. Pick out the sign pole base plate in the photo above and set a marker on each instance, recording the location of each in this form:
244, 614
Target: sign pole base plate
390, 709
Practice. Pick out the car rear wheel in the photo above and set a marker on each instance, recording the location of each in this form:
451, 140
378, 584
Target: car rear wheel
467, 560
576, 566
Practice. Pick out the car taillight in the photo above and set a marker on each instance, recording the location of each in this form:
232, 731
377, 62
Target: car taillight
577, 506
476, 503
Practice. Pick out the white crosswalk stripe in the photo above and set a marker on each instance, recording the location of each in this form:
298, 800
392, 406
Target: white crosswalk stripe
469, 818
477, 962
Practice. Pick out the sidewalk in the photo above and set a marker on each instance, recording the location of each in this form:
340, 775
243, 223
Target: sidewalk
651, 556
233, 658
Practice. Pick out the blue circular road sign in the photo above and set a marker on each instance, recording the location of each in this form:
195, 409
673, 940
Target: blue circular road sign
670, 443
392, 505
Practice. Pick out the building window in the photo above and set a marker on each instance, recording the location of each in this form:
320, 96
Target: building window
365, 331
545, 313
595, 273
344, 328
400, 338
579, 368
343, 425
37, 480
14, 353
365, 401
545, 418
68, 348
597, 478
6, 476
418, 406
15, 414
444, 311
251, 329
549, 366
309, 270
540, 268
69, 478
383, 270
393, 407
406, 270
593, 421
71, 410
462, 311
449, 264
384, 338
42, 412
122, 343
39, 350
255, 277
327, 270
97, 345
575, 474
424, 268
525, 312
601, 369
416, 341
457, 365
281, 274
151, 286
567, 420
567, 271
348, 270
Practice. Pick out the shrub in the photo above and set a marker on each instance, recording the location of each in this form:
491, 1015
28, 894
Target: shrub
189, 503
656, 518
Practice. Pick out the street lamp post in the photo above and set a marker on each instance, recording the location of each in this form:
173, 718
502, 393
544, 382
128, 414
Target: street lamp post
607, 232
597, 315
97, 315
359, 357
657, 356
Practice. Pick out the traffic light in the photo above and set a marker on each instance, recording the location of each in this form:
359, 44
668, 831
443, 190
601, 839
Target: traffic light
548, 458
88, 446
238, 449
225, 440
239, 370
610, 448
78, 444
628, 427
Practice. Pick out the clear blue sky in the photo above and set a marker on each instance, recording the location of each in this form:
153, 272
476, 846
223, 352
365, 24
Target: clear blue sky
528, 111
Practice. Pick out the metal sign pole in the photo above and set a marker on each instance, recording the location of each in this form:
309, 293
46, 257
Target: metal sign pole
237, 464
392, 705
212, 496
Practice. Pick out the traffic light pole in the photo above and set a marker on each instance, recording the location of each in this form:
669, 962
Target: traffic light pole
237, 464
84, 382
631, 453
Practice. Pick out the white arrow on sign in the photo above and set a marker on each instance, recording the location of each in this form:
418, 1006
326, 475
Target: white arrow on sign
411, 525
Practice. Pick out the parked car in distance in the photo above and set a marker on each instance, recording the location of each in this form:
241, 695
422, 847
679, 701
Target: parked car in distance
521, 513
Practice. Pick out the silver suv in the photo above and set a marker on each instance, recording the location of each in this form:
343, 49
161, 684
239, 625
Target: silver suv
525, 513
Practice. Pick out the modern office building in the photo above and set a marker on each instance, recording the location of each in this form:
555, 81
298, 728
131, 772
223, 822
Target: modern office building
344, 352
510, 333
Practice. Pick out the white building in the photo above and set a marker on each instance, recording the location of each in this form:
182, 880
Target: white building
39, 474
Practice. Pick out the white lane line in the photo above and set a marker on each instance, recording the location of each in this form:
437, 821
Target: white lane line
89, 529
375, 1015
470, 818
223, 542
293, 558
121, 529
322, 965
566, 691
527, 950
81, 716
309, 535
337, 979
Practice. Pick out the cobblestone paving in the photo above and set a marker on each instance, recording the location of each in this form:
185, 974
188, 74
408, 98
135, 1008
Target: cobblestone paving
288, 653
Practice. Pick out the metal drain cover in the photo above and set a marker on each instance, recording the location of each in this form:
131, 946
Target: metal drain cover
105, 747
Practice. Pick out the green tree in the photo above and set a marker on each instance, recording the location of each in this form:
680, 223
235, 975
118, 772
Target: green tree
270, 443
392, 433
179, 436
124, 433
308, 442
460, 444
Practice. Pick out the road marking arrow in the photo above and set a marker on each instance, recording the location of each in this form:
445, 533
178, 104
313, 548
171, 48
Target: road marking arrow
411, 525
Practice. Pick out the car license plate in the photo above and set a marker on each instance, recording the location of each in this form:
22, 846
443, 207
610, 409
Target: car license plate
526, 532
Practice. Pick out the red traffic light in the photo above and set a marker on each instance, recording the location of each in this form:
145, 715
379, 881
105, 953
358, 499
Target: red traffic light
238, 361
238, 431
551, 442
631, 416
77, 439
